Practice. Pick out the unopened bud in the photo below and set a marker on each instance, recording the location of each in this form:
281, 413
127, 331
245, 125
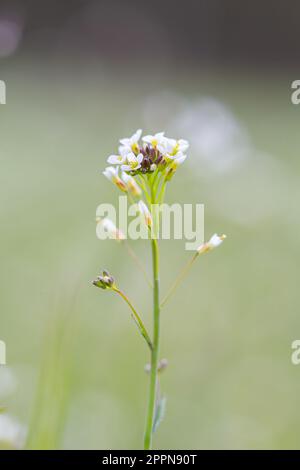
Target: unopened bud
106, 281
131, 184
110, 228
214, 241
145, 213
111, 173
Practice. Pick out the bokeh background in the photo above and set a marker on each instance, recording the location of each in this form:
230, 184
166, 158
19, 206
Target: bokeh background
80, 75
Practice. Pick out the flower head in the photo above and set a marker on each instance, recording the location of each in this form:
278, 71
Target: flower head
155, 153
105, 281
213, 242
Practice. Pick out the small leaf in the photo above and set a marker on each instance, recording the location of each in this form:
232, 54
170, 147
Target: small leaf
159, 412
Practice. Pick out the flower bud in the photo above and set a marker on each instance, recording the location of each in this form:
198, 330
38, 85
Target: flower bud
213, 242
131, 184
145, 213
106, 281
111, 173
111, 229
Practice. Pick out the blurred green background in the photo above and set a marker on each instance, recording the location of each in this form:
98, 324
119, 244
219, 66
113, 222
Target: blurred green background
227, 332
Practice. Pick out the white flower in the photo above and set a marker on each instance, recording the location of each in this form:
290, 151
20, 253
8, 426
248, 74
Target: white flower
154, 140
133, 162
132, 185
172, 148
116, 159
183, 145
213, 242
12, 433
145, 213
111, 229
166, 146
112, 174
179, 159
133, 141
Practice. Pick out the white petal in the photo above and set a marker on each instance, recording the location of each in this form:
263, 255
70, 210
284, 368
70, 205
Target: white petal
148, 139
126, 167
124, 150
115, 159
126, 142
183, 145
125, 177
110, 172
140, 157
170, 144
180, 160
162, 148
145, 212
215, 241
136, 136
159, 135
143, 208
131, 158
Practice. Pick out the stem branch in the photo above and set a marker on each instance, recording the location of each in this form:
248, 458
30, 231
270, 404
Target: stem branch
137, 319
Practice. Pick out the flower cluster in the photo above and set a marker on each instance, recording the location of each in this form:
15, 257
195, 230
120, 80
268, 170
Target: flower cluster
141, 155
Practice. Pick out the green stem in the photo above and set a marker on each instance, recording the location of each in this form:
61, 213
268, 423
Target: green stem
135, 317
155, 349
162, 192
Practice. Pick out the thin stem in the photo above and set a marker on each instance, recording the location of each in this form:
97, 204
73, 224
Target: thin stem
157, 181
155, 349
143, 185
137, 319
179, 278
137, 262
162, 192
